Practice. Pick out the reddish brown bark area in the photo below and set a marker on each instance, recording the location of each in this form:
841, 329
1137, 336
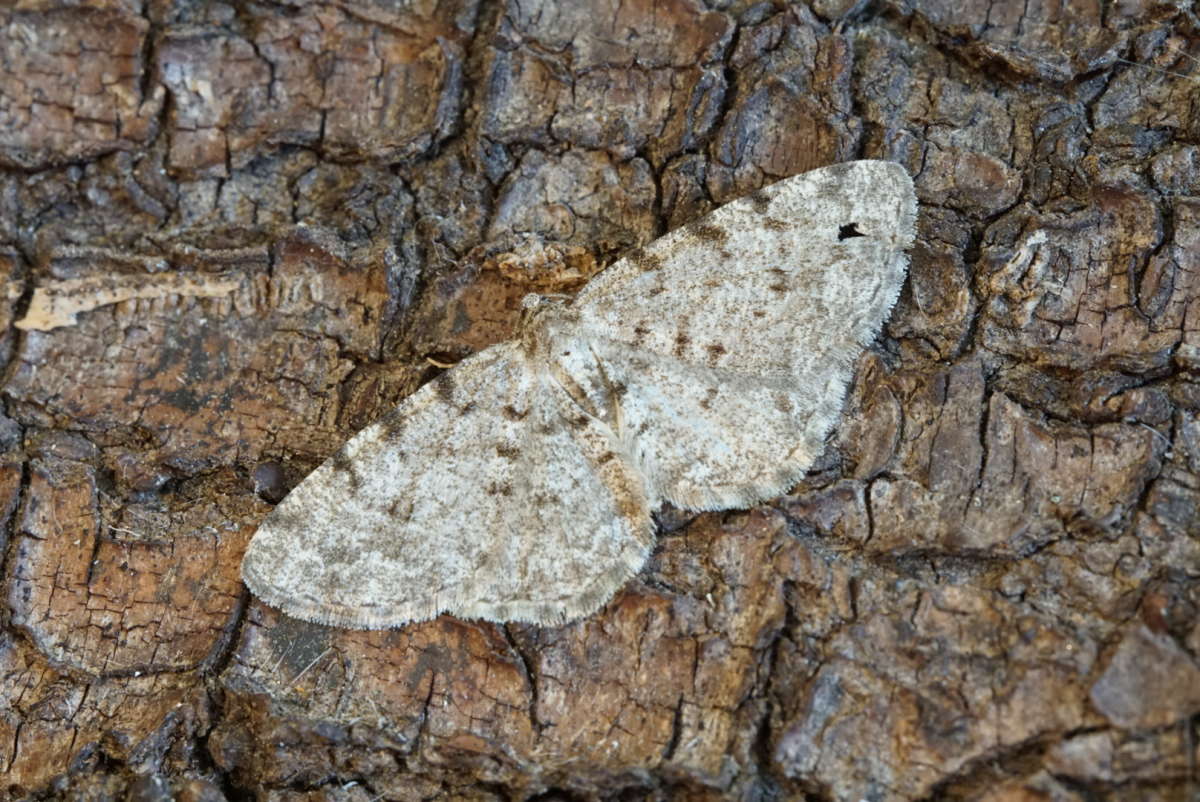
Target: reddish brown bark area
231, 235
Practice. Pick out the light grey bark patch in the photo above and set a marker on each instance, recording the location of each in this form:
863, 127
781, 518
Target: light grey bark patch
703, 370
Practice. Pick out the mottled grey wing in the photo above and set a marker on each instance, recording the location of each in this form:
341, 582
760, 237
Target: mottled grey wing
485, 494
733, 338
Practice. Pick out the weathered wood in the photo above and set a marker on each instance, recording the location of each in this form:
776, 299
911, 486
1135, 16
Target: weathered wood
232, 235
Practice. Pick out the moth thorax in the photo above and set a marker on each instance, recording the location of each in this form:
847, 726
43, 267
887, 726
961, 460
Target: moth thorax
544, 320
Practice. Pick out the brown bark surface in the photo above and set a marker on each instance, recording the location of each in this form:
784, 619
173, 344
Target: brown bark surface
232, 234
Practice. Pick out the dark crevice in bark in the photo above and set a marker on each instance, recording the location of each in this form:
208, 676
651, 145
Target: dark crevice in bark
530, 675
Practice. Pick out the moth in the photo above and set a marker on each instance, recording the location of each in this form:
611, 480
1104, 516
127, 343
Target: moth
704, 369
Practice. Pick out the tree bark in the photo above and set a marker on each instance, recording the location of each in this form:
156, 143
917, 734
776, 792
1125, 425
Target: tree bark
232, 235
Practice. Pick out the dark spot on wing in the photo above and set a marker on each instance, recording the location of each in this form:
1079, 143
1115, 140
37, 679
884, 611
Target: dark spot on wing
706, 232
681, 342
778, 271
715, 351
778, 287
467, 408
342, 464
644, 427
607, 456
499, 489
783, 403
759, 313
444, 386
848, 231
508, 452
775, 224
760, 200
391, 425
619, 389
659, 290
514, 414
644, 260
639, 333
578, 422
725, 255
709, 395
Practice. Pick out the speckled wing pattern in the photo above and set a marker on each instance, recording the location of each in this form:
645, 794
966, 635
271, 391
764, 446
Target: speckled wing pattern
705, 369
486, 493
740, 331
